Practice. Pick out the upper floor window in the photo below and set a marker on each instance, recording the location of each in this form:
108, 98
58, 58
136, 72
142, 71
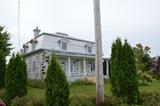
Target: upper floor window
64, 45
33, 43
89, 49
25, 48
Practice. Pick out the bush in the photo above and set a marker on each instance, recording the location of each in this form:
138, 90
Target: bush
82, 82
143, 83
150, 99
36, 84
2, 69
82, 101
26, 101
2, 93
16, 78
91, 101
57, 87
124, 79
113, 101
144, 76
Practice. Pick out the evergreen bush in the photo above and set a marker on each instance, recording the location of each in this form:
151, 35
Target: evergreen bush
16, 78
57, 87
2, 69
116, 66
123, 77
129, 78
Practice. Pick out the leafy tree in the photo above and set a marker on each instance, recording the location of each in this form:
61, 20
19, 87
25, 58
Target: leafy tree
2, 69
116, 66
129, 79
5, 45
16, 78
57, 87
142, 55
143, 62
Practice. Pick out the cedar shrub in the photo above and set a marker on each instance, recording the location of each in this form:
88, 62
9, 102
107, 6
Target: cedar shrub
2, 69
124, 78
16, 78
57, 87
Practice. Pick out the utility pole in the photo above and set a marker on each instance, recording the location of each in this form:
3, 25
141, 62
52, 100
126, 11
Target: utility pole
99, 65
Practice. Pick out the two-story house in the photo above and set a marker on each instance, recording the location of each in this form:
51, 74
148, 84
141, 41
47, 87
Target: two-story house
76, 56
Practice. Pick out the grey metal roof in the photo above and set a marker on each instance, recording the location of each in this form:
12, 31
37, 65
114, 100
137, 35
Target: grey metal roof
63, 36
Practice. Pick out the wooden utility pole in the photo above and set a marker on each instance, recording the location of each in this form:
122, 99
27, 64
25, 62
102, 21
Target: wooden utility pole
99, 65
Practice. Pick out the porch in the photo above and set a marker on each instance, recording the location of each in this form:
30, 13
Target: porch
77, 67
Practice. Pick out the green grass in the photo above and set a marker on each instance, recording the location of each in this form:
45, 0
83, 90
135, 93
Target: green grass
152, 87
90, 90
36, 93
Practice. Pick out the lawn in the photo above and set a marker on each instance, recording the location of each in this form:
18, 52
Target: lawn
89, 90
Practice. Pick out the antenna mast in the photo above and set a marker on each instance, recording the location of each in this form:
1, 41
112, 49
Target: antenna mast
19, 43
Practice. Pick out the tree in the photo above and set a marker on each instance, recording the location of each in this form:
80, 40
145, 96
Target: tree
2, 69
123, 72
4, 51
116, 66
143, 63
16, 78
143, 58
5, 45
57, 87
129, 79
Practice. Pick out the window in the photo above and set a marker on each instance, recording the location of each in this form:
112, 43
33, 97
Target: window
64, 45
89, 49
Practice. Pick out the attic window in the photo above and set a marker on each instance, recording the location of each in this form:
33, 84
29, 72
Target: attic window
64, 45
89, 49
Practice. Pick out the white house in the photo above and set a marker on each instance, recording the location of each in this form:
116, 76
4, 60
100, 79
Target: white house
76, 56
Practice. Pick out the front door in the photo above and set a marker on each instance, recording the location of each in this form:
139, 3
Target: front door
75, 66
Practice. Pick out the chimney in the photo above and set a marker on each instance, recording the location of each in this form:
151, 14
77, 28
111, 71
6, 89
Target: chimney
36, 31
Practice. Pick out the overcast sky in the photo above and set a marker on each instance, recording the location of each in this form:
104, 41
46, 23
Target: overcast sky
136, 20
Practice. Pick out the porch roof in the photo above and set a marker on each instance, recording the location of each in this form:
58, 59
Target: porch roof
62, 53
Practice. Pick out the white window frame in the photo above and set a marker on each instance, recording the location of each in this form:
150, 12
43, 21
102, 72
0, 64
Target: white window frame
64, 45
62, 42
89, 49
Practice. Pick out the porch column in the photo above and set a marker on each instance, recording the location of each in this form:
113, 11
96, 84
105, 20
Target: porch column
69, 67
107, 68
84, 66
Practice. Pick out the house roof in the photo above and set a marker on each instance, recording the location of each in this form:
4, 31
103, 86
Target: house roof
63, 35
